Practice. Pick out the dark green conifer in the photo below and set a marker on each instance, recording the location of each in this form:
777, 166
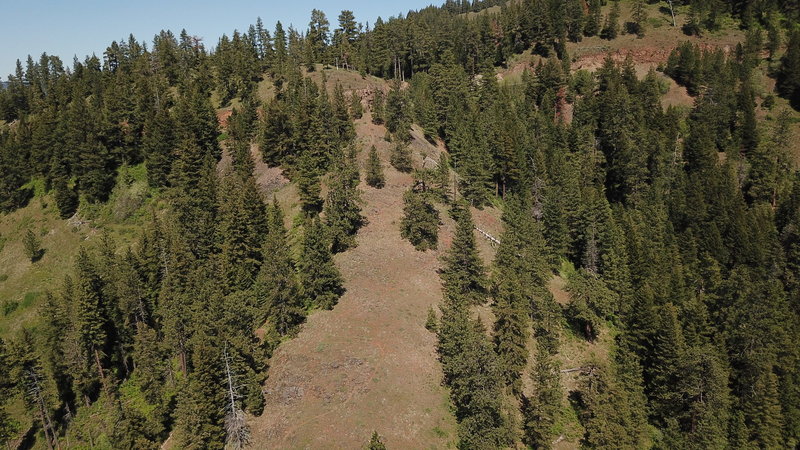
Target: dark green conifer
356, 109
66, 198
309, 185
91, 322
592, 302
241, 229
592, 25
32, 246
441, 177
199, 413
343, 124
320, 280
96, 177
431, 322
343, 216
611, 26
463, 274
471, 370
276, 288
476, 183
420, 223
789, 73
541, 410
159, 147
8, 426
400, 157
397, 115
520, 271
378, 107
375, 442
375, 177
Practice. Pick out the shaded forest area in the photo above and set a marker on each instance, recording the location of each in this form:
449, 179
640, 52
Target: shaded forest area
682, 226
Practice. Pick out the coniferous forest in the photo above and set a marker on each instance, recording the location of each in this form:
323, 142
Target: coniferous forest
638, 285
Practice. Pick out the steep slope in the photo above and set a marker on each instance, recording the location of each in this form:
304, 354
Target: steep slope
369, 364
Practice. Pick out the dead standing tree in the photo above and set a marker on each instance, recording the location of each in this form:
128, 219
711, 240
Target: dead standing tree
236, 428
34, 391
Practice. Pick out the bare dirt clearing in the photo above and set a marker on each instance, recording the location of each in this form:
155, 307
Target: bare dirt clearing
369, 364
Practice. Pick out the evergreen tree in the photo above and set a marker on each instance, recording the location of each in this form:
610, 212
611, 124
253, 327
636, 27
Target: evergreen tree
463, 274
277, 134
375, 177
420, 223
343, 123
32, 246
241, 229
788, 83
609, 415
592, 25
397, 115
400, 157
196, 120
317, 36
471, 370
276, 286
375, 442
441, 178
309, 186
320, 280
476, 184
92, 325
511, 328
431, 322
66, 198
158, 147
195, 179
378, 107
592, 302
343, 216
639, 16
12, 193
541, 410
35, 387
8, 426
356, 110
520, 271
199, 414
611, 26
96, 177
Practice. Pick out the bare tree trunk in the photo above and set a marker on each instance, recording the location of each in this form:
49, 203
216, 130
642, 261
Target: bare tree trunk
182, 357
47, 424
45, 428
672, 11
238, 433
100, 369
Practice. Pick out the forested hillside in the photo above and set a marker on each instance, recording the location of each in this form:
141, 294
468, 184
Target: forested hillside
482, 225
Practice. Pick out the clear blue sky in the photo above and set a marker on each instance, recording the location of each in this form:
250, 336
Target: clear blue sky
82, 27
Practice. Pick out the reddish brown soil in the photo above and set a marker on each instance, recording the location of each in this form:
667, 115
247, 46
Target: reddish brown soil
369, 364
222, 117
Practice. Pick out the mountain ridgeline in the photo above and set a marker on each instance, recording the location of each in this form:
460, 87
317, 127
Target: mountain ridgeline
675, 229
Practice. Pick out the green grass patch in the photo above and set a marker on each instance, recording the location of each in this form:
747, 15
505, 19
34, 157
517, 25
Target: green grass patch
128, 200
8, 307
131, 395
567, 269
29, 298
38, 186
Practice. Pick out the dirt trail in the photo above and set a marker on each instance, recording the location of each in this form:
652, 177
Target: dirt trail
369, 364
